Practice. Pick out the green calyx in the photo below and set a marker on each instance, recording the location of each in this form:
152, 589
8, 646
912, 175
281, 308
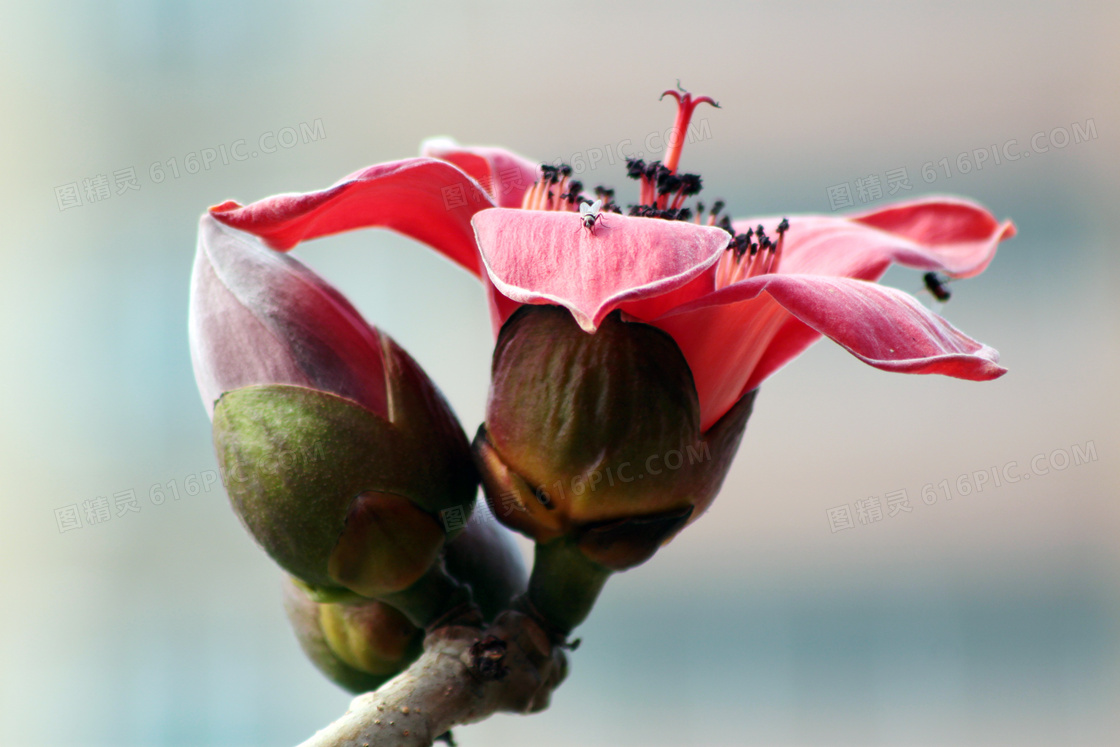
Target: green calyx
340, 497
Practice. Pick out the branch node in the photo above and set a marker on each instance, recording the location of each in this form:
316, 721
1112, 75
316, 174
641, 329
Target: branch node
486, 658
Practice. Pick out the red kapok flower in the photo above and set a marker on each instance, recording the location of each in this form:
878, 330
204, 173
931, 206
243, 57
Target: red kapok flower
731, 301
741, 301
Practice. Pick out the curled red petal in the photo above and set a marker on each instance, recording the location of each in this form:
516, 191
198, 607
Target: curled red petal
261, 317
505, 175
725, 336
426, 199
943, 234
544, 257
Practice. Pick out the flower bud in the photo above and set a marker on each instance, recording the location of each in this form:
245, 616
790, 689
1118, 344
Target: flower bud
596, 437
337, 451
592, 447
357, 646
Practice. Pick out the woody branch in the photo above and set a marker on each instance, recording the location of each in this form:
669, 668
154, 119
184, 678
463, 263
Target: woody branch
465, 675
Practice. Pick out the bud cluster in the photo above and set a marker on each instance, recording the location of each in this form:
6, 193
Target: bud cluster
629, 350
583, 449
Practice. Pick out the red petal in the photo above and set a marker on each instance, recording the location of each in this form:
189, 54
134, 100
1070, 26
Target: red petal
943, 234
260, 317
726, 336
544, 257
425, 199
504, 175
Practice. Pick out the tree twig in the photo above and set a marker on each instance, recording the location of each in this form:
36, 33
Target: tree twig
464, 675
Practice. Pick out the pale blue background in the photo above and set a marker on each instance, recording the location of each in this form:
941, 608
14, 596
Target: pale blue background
988, 620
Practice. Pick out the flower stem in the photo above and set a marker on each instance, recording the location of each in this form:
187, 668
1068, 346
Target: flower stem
564, 585
431, 599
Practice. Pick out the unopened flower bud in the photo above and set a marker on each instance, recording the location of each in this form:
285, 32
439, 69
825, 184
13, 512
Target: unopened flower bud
357, 646
338, 452
592, 446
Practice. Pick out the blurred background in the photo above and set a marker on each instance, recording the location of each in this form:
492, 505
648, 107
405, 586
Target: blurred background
989, 615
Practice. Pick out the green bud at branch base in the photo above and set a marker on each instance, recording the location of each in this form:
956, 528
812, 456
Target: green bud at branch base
357, 646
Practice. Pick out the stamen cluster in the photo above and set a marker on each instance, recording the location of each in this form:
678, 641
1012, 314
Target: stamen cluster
556, 190
744, 242
750, 254
662, 194
662, 191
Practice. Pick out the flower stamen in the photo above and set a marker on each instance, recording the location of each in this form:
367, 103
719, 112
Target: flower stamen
660, 189
556, 190
750, 254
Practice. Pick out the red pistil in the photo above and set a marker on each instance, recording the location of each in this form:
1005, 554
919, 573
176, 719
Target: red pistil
685, 106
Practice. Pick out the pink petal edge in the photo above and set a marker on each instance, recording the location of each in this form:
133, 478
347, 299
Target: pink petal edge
725, 336
545, 257
505, 175
424, 198
944, 234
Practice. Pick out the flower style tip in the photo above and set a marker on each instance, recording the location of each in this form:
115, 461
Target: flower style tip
686, 105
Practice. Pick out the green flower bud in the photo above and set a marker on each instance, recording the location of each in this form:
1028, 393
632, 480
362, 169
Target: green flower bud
337, 451
357, 646
339, 497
